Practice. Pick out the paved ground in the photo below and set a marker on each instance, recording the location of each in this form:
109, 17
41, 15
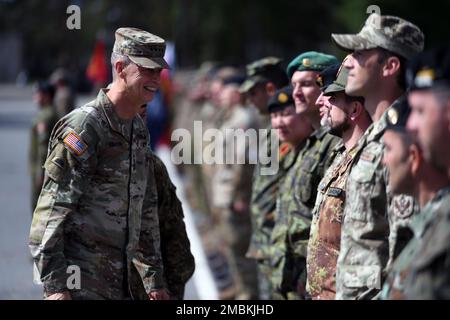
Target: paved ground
16, 112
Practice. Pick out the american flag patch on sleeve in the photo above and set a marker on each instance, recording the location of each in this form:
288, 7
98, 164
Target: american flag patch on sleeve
74, 142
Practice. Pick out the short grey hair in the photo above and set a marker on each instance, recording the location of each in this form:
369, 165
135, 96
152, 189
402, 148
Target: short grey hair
115, 57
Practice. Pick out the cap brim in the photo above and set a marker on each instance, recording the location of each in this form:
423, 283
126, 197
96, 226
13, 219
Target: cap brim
150, 63
247, 85
333, 88
352, 42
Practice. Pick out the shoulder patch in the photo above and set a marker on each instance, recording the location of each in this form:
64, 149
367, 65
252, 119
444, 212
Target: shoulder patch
403, 206
75, 143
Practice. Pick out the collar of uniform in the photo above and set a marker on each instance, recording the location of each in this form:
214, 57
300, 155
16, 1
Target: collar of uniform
380, 126
421, 221
339, 147
114, 121
321, 132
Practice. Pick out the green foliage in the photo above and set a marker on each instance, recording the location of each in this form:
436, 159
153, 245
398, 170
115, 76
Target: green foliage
221, 30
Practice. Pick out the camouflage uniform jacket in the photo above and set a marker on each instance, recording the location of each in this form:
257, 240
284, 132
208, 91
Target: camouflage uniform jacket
41, 129
371, 217
91, 211
293, 213
264, 195
177, 258
325, 236
422, 270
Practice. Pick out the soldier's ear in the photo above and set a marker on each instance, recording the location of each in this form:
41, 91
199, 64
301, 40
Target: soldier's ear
391, 66
356, 110
416, 158
270, 89
119, 67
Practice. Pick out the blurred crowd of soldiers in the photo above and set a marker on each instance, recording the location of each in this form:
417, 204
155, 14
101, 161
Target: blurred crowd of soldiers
55, 98
359, 208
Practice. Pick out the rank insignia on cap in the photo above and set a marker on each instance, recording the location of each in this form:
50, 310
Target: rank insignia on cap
282, 97
306, 62
424, 78
319, 81
74, 142
392, 116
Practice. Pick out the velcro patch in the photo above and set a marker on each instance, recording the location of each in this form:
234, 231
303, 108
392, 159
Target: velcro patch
74, 142
367, 156
334, 192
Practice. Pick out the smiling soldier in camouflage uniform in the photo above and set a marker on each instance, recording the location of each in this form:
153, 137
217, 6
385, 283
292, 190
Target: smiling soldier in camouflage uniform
297, 194
97, 209
264, 76
372, 215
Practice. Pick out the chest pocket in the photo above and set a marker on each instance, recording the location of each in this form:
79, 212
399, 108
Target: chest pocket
360, 189
364, 170
305, 186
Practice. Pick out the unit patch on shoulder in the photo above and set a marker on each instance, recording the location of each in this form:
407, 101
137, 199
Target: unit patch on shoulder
74, 142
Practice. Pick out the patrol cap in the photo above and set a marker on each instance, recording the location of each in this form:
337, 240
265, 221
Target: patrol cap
236, 79
397, 115
327, 76
339, 83
388, 32
311, 61
143, 48
429, 69
281, 99
262, 71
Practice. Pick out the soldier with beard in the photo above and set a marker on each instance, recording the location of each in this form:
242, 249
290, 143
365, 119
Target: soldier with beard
347, 119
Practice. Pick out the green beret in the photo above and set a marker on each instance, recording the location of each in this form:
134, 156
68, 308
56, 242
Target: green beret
311, 61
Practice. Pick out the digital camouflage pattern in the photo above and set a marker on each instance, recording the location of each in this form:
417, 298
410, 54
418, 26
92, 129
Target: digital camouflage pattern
178, 261
371, 219
389, 32
325, 236
421, 271
96, 208
295, 202
143, 48
41, 129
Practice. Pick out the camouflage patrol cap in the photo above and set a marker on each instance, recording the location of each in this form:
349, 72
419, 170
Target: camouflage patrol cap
259, 72
142, 47
327, 76
338, 84
281, 99
311, 61
397, 115
388, 32
429, 69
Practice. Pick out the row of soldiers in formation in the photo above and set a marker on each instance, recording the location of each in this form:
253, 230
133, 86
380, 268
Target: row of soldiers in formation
359, 208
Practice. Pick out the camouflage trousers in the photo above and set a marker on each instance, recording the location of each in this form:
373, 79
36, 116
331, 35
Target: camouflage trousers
236, 232
264, 285
288, 277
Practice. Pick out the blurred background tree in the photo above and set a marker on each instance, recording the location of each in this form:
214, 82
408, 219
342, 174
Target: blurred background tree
35, 38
